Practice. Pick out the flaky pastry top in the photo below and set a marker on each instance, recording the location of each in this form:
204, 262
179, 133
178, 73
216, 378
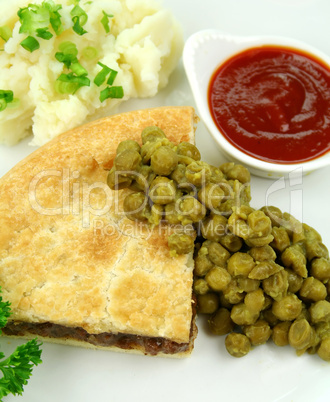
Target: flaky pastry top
69, 256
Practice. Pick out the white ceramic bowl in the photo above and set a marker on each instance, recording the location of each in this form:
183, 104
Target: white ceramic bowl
204, 51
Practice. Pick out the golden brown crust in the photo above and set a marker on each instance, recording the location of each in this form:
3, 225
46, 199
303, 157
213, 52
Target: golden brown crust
69, 256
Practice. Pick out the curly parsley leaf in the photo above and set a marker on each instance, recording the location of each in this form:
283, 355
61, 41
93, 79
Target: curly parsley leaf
17, 368
4, 312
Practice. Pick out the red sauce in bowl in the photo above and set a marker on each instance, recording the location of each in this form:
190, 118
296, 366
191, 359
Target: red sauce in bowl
273, 103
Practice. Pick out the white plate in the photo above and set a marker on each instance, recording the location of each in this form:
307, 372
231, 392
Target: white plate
268, 373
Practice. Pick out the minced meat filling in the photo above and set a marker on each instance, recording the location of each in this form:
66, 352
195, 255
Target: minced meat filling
149, 345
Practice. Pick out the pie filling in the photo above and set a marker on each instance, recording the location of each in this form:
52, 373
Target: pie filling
149, 345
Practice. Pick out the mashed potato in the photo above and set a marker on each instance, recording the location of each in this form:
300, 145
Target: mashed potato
144, 45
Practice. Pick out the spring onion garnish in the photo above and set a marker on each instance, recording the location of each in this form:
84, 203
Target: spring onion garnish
5, 33
105, 21
78, 69
33, 17
30, 43
77, 27
70, 83
79, 19
44, 33
102, 75
35, 20
6, 96
68, 47
112, 76
68, 54
111, 92
36, 16
54, 16
90, 52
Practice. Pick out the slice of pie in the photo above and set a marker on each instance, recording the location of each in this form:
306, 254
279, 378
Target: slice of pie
74, 268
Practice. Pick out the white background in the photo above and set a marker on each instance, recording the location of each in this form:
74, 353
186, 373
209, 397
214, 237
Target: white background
268, 373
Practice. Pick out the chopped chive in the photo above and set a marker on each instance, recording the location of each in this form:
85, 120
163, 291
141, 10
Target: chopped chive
102, 75
68, 47
68, 54
38, 16
77, 11
79, 19
6, 97
63, 87
3, 104
54, 16
78, 29
30, 43
111, 92
66, 59
78, 69
70, 83
73, 2
43, 33
90, 52
5, 33
33, 17
113, 75
82, 81
105, 21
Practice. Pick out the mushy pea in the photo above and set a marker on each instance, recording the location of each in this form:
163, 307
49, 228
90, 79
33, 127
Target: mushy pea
259, 274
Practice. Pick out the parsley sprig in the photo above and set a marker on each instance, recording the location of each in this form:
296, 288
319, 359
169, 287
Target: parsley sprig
17, 368
4, 312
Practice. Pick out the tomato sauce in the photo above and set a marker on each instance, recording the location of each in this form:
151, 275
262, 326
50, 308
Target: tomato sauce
273, 103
